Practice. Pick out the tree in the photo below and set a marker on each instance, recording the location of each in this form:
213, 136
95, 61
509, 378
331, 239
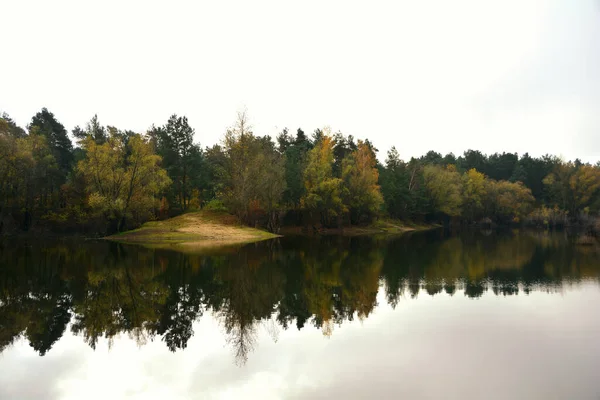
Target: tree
584, 184
8, 152
92, 129
473, 159
254, 175
295, 151
39, 175
29, 176
284, 140
432, 157
215, 161
444, 187
508, 202
317, 136
323, 190
182, 158
394, 185
56, 135
532, 172
519, 174
9, 127
361, 178
270, 171
123, 181
342, 148
573, 187
558, 186
474, 192
501, 166
403, 188
238, 188
449, 159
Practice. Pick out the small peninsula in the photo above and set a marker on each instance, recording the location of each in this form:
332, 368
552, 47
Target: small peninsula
194, 230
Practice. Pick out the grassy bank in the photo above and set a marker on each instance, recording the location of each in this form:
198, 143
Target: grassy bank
205, 230
194, 230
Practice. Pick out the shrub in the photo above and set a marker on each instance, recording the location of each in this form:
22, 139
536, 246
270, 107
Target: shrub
215, 205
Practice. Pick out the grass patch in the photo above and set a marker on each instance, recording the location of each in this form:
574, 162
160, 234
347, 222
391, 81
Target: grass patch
199, 229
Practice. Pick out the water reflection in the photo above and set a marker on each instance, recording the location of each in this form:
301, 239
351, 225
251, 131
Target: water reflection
100, 289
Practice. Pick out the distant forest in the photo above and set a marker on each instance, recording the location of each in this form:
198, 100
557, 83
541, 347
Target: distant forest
111, 180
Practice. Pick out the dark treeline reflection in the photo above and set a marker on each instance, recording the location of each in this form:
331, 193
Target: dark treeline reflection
102, 289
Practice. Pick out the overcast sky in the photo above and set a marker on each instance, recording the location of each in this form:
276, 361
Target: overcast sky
444, 75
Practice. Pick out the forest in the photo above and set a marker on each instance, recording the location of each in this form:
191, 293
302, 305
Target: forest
106, 180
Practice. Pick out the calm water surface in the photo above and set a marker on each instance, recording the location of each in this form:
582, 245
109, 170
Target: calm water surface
474, 316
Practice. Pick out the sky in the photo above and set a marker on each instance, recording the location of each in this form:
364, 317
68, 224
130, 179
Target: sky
519, 76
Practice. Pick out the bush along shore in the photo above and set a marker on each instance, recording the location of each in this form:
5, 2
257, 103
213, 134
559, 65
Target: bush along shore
101, 180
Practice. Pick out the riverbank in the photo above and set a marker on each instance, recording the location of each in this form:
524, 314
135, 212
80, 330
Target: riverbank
194, 230
203, 229
387, 226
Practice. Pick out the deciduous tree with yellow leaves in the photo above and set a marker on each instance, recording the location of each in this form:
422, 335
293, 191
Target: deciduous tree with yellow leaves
361, 180
323, 191
474, 192
444, 187
123, 180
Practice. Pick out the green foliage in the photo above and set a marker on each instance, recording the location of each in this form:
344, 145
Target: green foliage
533, 171
444, 187
327, 180
10, 128
585, 185
323, 190
253, 175
574, 187
342, 148
474, 194
215, 205
28, 176
507, 201
362, 192
182, 158
402, 187
295, 151
215, 171
472, 159
44, 123
501, 166
123, 181
93, 129
432, 157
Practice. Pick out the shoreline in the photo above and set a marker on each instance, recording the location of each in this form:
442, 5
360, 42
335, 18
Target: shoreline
197, 231
194, 230
385, 227
202, 229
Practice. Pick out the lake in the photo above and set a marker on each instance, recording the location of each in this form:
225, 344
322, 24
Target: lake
425, 315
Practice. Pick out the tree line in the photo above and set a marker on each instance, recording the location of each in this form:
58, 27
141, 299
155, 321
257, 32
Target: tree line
109, 180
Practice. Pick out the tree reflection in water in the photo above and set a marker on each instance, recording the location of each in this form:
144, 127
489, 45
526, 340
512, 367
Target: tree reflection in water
100, 290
